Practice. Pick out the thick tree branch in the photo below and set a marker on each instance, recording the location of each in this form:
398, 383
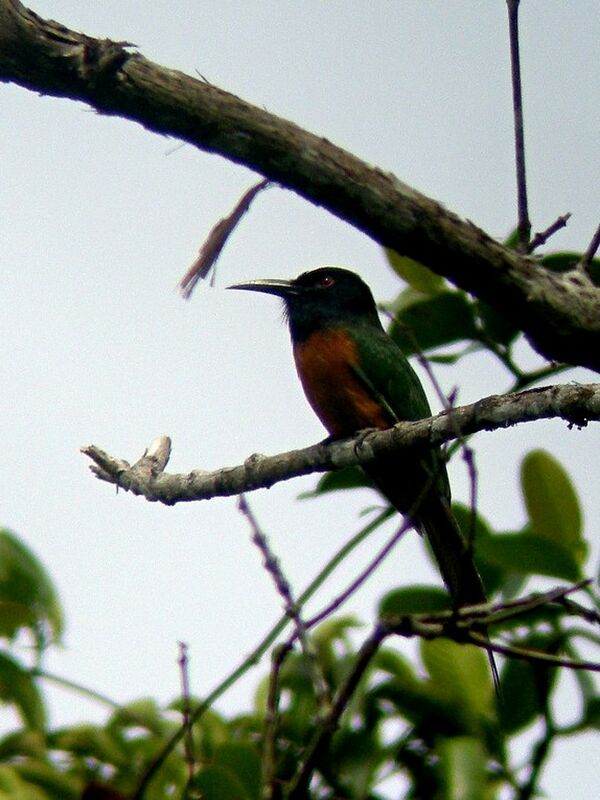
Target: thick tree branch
577, 404
559, 312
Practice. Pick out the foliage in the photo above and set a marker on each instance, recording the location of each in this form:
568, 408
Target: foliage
343, 713
433, 728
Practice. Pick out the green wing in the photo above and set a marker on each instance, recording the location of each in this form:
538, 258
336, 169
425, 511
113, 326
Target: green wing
388, 376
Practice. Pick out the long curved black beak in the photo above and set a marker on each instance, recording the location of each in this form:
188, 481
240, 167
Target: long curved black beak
277, 287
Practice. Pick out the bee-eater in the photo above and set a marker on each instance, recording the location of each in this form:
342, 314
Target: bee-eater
356, 377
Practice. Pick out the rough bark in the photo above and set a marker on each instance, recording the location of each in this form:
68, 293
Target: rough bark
576, 404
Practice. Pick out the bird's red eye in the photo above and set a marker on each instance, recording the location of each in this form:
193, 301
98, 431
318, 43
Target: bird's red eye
326, 281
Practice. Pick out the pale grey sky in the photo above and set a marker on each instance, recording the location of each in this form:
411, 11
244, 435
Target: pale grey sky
98, 221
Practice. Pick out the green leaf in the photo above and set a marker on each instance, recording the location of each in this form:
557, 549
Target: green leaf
143, 712
414, 600
592, 713
348, 478
216, 782
357, 755
89, 741
24, 582
492, 575
414, 273
552, 503
12, 786
461, 674
529, 554
14, 617
568, 260
448, 359
495, 325
513, 238
211, 731
331, 639
243, 761
24, 742
434, 321
526, 685
396, 665
336, 630
561, 262
46, 777
19, 688
462, 767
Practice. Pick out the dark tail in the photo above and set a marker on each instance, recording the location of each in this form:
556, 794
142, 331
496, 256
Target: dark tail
451, 550
455, 560
407, 490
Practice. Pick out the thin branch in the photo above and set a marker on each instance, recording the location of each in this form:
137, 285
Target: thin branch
586, 262
186, 719
270, 724
524, 225
577, 404
512, 609
259, 651
464, 625
541, 238
320, 742
540, 751
523, 380
84, 691
533, 656
216, 241
561, 319
366, 573
273, 567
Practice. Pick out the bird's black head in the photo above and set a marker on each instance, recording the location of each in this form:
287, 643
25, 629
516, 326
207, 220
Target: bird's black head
320, 298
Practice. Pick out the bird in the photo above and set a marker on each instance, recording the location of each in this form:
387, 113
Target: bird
356, 377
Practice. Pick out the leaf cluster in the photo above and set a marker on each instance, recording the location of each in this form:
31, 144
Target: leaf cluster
430, 316
435, 728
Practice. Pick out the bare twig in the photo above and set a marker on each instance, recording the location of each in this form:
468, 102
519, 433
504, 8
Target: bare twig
586, 262
524, 225
539, 754
512, 609
301, 781
186, 721
273, 567
341, 598
270, 725
254, 657
524, 380
216, 241
533, 656
541, 238
577, 404
86, 692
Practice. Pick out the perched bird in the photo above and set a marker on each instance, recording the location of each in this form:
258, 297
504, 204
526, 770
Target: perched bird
355, 377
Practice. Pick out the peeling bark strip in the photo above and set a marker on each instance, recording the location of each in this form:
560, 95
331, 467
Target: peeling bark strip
560, 313
575, 404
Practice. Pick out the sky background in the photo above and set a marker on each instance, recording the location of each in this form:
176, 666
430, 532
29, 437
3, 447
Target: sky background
99, 219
